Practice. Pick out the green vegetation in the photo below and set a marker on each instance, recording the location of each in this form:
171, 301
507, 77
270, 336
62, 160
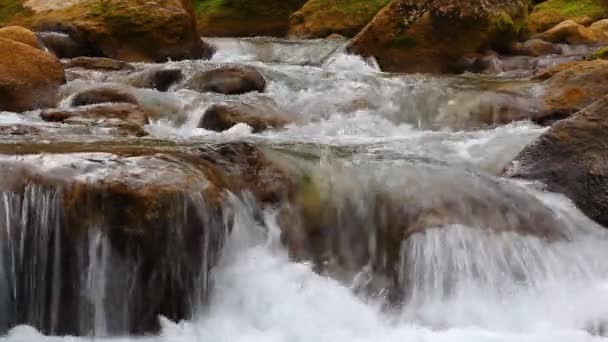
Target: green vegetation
12, 8
600, 54
247, 8
569, 9
358, 8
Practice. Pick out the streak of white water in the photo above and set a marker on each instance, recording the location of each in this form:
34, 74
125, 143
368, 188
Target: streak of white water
560, 293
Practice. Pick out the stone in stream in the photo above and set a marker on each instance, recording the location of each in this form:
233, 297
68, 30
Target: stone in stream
571, 158
158, 78
346, 222
535, 48
572, 33
259, 115
97, 63
29, 78
21, 35
63, 45
231, 80
106, 236
103, 95
127, 112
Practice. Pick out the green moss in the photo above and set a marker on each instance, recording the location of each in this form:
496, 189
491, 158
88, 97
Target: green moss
357, 8
12, 8
572, 9
600, 54
247, 8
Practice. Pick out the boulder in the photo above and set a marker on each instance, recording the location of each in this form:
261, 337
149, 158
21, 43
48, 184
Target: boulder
127, 112
535, 48
158, 78
227, 80
260, 116
570, 158
97, 63
601, 26
132, 30
570, 32
408, 36
575, 86
245, 18
21, 35
321, 18
29, 78
102, 95
63, 45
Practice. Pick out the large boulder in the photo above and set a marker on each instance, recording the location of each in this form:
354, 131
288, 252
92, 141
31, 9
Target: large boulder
21, 35
321, 18
259, 115
245, 18
410, 36
549, 13
232, 80
132, 30
570, 158
574, 86
572, 33
29, 78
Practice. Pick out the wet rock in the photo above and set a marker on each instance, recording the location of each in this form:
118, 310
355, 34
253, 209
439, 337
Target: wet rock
320, 18
21, 35
547, 14
345, 227
160, 78
260, 116
410, 36
572, 33
227, 80
133, 30
535, 48
575, 86
570, 159
29, 78
64, 46
103, 95
97, 63
124, 111
601, 26
599, 54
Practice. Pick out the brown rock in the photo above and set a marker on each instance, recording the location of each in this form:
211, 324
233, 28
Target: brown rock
535, 48
227, 80
97, 63
575, 86
21, 35
260, 116
601, 26
159, 78
64, 45
29, 78
124, 111
571, 158
572, 33
102, 95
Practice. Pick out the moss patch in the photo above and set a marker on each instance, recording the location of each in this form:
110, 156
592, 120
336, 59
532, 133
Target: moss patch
245, 17
550, 13
600, 54
11, 9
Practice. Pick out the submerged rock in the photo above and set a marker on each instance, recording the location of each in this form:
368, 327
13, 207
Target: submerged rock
124, 111
227, 80
321, 18
570, 159
97, 63
29, 78
259, 115
21, 35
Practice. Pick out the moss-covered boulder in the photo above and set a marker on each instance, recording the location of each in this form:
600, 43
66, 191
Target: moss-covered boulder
549, 13
29, 78
245, 18
321, 18
130, 30
570, 32
21, 35
410, 36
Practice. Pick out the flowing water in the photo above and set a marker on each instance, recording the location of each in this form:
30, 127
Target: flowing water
361, 130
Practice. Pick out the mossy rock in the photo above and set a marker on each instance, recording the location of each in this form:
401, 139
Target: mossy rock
600, 54
321, 18
245, 18
552, 12
13, 9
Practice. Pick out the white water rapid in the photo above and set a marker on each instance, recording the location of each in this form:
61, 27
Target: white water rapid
467, 285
